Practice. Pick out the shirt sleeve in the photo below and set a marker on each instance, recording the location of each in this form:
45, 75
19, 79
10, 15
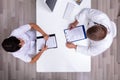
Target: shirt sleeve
25, 58
94, 50
21, 30
90, 51
95, 16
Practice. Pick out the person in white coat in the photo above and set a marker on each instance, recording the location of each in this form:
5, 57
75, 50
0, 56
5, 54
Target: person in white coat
21, 43
100, 32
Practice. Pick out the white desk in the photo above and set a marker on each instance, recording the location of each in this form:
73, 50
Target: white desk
60, 59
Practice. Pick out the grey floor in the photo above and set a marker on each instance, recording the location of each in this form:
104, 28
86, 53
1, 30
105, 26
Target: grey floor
14, 13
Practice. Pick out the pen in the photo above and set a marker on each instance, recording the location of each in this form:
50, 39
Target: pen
45, 42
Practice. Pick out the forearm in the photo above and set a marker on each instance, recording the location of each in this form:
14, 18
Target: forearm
37, 28
36, 57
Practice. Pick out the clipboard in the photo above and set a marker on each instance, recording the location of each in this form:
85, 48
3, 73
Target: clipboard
76, 34
51, 42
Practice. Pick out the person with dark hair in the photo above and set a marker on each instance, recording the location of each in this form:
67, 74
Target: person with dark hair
11, 44
100, 31
21, 43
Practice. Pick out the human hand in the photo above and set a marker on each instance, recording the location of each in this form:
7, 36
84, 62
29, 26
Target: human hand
71, 45
46, 37
73, 25
44, 48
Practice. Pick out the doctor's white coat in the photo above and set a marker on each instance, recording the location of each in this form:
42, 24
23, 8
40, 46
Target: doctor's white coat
96, 16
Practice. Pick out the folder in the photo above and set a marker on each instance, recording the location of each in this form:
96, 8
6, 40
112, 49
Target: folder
76, 34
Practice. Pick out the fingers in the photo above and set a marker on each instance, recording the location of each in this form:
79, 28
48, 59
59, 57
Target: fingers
46, 37
71, 45
44, 47
71, 26
68, 44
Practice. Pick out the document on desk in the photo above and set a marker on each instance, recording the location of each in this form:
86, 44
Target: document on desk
51, 42
69, 10
76, 34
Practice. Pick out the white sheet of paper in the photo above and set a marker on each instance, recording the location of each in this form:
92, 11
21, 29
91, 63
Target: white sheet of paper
69, 10
75, 34
51, 43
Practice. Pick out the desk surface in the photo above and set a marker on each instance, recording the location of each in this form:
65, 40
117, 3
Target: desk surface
60, 59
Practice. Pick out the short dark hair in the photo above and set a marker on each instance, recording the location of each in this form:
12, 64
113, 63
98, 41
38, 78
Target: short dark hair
11, 44
97, 32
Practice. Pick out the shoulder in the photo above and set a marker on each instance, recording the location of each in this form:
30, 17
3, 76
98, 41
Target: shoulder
22, 56
21, 29
107, 41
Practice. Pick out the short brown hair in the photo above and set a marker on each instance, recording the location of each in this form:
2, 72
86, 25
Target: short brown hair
97, 32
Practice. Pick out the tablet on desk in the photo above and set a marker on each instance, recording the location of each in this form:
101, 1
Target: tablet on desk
51, 42
76, 34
